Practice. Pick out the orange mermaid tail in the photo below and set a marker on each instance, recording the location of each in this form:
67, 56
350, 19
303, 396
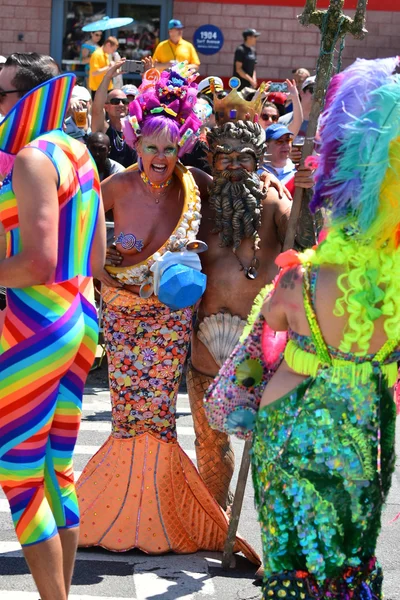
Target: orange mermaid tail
145, 493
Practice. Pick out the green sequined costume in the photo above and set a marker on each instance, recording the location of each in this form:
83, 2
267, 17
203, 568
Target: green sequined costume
322, 460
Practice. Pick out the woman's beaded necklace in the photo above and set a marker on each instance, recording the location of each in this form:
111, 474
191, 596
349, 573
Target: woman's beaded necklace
155, 186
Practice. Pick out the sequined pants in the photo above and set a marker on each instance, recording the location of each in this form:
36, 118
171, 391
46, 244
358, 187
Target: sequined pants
321, 477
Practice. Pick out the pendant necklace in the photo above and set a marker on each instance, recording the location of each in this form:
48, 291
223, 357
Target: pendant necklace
156, 186
118, 141
251, 271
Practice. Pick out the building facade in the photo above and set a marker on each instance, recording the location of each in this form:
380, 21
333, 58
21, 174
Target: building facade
54, 26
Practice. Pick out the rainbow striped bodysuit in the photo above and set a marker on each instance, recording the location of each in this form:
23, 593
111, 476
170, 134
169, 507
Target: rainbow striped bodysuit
46, 349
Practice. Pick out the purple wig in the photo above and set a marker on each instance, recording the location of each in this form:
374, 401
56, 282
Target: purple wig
168, 97
155, 126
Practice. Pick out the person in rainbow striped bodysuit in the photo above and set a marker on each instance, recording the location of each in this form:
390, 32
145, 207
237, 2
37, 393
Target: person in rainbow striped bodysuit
51, 212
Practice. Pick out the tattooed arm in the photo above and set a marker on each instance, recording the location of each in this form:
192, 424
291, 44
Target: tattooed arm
276, 304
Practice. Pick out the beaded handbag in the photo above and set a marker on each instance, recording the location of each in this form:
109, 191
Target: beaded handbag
232, 401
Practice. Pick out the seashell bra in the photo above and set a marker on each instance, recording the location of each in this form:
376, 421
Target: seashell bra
185, 232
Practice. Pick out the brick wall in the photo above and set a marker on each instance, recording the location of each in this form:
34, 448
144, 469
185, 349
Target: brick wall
31, 18
284, 43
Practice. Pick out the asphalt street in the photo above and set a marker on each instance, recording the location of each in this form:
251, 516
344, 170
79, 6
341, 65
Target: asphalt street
104, 575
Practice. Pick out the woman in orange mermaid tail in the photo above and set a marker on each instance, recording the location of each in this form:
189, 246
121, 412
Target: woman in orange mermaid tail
141, 490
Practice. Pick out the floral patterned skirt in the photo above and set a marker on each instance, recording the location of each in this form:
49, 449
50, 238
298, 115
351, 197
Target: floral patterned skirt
322, 460
140, 490
146, 344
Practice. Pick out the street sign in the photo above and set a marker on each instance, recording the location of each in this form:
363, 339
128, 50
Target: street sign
208, 39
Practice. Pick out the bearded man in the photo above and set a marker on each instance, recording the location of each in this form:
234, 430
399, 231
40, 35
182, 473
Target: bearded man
244, 226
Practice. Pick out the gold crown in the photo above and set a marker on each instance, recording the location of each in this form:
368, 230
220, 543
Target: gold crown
233, 107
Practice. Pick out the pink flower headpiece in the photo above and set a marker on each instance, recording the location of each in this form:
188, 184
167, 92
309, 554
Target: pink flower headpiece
172, 94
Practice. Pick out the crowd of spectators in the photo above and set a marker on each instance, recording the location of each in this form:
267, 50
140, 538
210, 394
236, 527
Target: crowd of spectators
101, 100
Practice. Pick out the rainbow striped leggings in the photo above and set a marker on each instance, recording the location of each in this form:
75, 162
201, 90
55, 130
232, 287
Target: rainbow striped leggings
48, 345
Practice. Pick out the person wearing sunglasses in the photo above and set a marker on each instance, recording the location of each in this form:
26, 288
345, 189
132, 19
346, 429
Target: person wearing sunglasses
51, 210
87, 49
269, 114
277, 160
274, 104
109, 108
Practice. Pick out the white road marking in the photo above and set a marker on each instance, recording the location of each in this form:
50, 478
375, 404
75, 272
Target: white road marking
13, 550
96, 407
90, 450
103, 426
95, 426
190, 562
6, 595
162, 578
98, 400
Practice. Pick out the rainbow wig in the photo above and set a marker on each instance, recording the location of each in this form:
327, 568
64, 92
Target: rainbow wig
358, 183
170, 96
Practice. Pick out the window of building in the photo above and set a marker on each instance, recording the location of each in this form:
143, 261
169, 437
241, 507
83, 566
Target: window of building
141, 37
76, 15
137, 40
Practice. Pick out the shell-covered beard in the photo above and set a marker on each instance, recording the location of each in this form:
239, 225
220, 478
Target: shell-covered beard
236, 198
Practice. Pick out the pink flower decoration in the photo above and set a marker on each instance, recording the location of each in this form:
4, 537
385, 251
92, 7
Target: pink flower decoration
311, 162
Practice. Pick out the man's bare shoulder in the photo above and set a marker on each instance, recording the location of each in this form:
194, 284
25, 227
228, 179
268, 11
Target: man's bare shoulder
203, 180
29, 162
272, 199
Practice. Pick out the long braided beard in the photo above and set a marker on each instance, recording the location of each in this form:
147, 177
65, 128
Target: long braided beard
237, 205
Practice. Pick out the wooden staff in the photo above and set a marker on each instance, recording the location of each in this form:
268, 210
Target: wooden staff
334, 26
227, 557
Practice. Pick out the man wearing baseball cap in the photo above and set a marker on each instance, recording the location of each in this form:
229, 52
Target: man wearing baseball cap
277, 161
175, 49
244, 64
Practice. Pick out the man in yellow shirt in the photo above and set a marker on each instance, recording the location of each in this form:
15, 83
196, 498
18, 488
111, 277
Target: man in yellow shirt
100, 62
175, 49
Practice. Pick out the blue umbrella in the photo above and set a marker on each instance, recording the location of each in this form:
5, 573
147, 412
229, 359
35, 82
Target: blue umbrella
107, 23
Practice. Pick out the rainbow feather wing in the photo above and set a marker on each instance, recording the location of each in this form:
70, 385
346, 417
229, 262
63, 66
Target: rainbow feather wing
347, 102
364, 160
